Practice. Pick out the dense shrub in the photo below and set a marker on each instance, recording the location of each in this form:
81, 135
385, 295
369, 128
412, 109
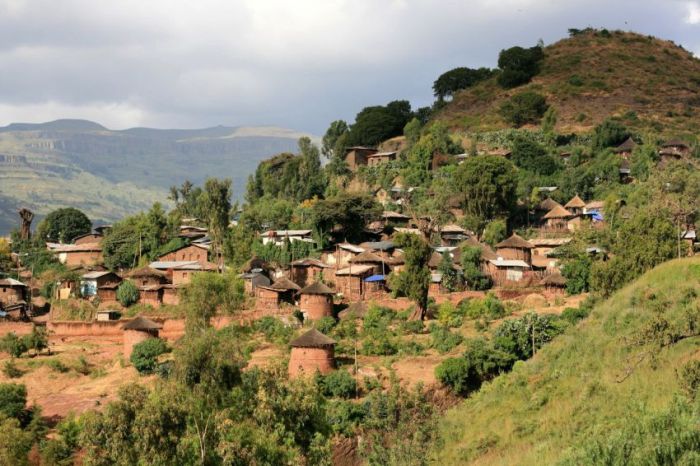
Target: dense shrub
273, 329
490, 308
10, 369
379, 344
577, 272
523, 108
127, 293
412, 326
325, 324
338, 384
13, 398
442, 339
689, 379
450, 315
520, 337
144, 356
518, 65
609, 133
458, 374
574, 314
13, 345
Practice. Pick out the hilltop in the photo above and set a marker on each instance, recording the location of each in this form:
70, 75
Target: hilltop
109, 174
649, 82
617, 370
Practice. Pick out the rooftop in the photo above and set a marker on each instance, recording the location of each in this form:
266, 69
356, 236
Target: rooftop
514, 241
312, 339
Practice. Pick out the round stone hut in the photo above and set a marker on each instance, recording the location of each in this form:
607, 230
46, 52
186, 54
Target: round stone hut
311, 352
316, 301
138, 330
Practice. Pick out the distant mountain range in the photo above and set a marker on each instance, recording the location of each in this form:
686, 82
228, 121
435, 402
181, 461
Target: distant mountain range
109, 174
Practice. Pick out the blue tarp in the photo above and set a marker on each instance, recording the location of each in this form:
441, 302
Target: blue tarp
375, 278
596, 216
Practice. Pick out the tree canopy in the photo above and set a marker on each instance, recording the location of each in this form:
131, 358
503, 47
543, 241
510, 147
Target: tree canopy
378, 123
64, 225
448, 83
519, 65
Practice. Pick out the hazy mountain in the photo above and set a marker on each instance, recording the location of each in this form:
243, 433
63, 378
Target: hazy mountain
110, 173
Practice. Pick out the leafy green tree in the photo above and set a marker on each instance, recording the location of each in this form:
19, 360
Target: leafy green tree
609, 133
450, 277
577, 272
338, 384
37, 340
337, 129
61, 448
525, 107
495, 232
412, 131
522, 337
15, 442
488, 184
519, 65
216, 202
13, 399
144, 356
474, 278
348, 211
13, 345
187, 200
63, 225
127, 293
435, 142
414, 280
208, 292
376, 124
448, 83
458, 374
532, 156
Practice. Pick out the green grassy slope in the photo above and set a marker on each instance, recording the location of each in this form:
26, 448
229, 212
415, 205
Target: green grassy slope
590, 77
579, 387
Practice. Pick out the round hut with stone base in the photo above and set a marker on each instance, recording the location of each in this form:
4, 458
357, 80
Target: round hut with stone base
316, 301
311, 352
138, 330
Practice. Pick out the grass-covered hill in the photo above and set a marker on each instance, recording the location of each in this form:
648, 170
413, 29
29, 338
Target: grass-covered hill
651, 82
109, 174
608, 386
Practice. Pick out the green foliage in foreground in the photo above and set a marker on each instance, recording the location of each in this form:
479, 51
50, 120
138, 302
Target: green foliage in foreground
586, 397
127, 293
144, 355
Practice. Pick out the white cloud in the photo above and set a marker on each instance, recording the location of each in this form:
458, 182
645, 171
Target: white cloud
693, 13
298, 64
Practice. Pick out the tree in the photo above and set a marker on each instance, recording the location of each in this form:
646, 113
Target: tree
13, 345
450, 276
435, 142
376, 124
532, 156
216, 202
519, 65
609, 133
577, 272
127, 293
337, 129
37, 340
523, 108
5, 256
13, 400
488, 184
448, 83
474, 278
208, 292
412, 131
144, 356
64, 225
349, 211
414, 279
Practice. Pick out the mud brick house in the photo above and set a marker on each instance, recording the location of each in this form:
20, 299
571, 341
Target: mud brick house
544, 246
554, 284
452, 235
92, 281
306, 271
312, 352
85, 254
510, 272
515, 248
88, 238
575, 205
279, 237
191, 252
341, 255
181, 272
356, 156
12, 292
379, 264
379, 158
350, 281
559, 219
147, 276
316, 301
272, 297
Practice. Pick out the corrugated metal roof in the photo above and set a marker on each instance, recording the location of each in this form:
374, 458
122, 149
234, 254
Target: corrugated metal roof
510, 263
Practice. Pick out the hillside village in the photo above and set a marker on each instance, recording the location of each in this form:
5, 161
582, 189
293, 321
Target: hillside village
420, 262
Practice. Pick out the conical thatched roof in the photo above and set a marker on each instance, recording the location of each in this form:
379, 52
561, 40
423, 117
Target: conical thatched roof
317, 288
575, 203
555, 279
367, 257
285, 284
142, 323
312, 339
515, 242
547, 204
435, 259
558, 212
626, 146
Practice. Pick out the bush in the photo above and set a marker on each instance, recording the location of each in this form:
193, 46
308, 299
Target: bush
377, 318
11, 370
13, 398
82, 366
412, 326
127, 293
380, 344
338, 384
489, 308
56, 365
577, 273
526, 107
13, 345
273, 329
449, 315
325, 324
689, 379
519, 65
457, 374
574, 314
442, 339
145, 354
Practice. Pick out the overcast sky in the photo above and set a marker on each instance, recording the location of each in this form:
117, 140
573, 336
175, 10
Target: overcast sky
292, 63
